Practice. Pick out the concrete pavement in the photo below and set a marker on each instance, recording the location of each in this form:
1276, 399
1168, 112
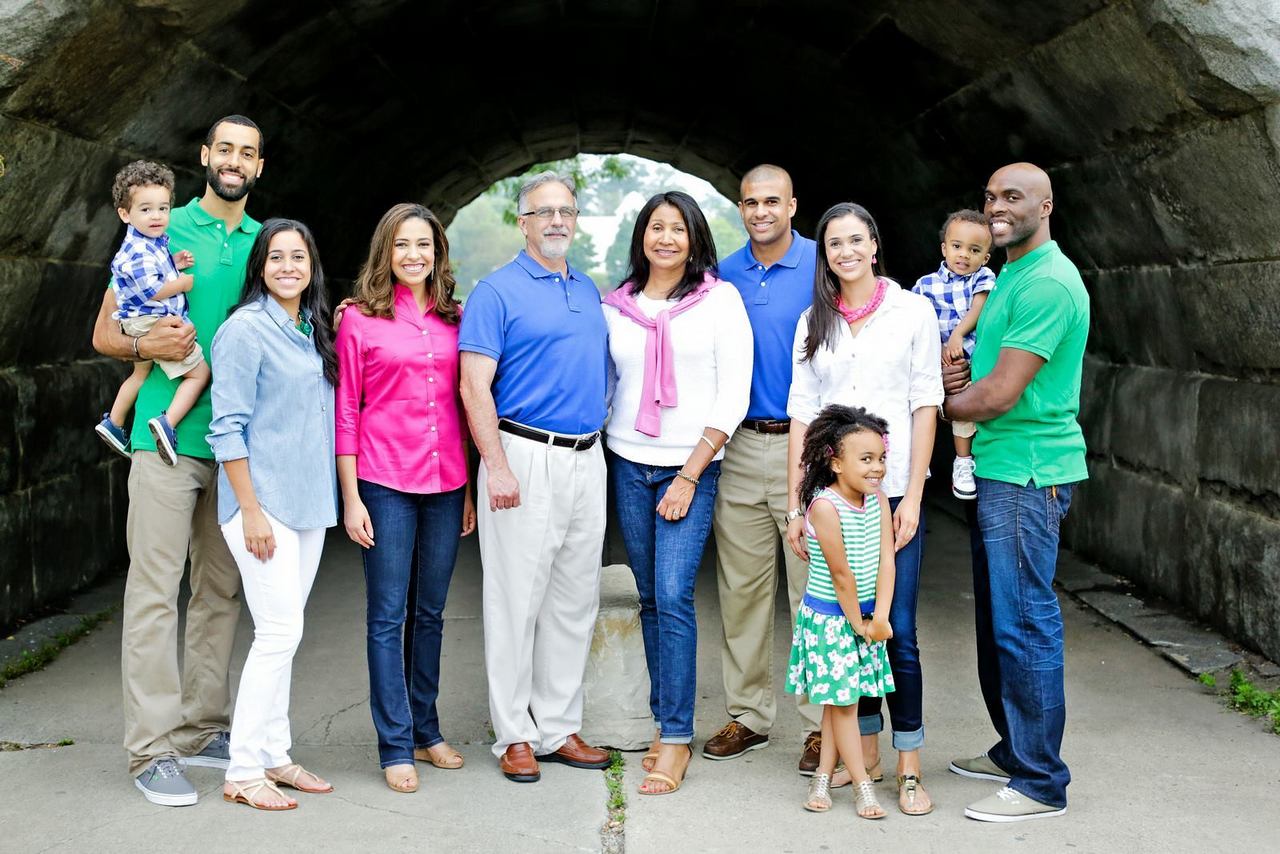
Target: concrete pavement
1158, 763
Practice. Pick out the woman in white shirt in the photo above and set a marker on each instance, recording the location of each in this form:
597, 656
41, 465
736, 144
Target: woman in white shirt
680, 345
867, 342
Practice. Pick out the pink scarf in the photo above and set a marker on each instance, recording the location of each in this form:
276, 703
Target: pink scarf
658, 388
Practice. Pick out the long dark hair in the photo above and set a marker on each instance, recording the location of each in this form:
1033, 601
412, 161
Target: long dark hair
824, 317
315, 301
375, 291
702, 248
822, 442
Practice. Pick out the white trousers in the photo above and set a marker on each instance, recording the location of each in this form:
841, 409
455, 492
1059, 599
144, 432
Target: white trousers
276, 591
541, 590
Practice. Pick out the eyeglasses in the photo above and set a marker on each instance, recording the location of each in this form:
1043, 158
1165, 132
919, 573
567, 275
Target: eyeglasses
548, 214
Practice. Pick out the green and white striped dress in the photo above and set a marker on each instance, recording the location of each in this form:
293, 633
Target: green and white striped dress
830, 662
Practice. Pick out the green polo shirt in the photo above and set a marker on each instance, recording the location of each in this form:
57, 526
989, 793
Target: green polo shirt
219, 277
1039, 305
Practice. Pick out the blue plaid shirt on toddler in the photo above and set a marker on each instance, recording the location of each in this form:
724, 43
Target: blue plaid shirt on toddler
951, 295
139, 269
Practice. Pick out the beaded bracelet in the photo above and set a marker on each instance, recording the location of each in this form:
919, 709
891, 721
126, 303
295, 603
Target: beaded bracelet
683, 476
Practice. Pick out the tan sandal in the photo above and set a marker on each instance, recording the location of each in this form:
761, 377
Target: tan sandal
875, 772
673, 785
406, 783
246, 792
910, 787
651, 758
819, 799
865, 799
454, 760
287, 775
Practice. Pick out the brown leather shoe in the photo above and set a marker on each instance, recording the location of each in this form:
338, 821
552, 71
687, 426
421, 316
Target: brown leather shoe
732, 741
519, 764
810, 754
578, 754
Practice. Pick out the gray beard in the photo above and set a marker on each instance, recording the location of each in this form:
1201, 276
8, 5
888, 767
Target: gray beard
553, 249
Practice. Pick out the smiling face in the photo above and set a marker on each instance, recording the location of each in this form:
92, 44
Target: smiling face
666, 240
287, 271
966, 247
413, 252
148, 210
232, 161
849, 249
767, 207
859, 467
549, 238
1017, 202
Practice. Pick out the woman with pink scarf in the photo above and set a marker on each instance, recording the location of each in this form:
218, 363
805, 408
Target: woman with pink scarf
680, 345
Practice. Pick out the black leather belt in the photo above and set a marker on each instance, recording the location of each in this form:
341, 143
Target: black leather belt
578, 443
765, 425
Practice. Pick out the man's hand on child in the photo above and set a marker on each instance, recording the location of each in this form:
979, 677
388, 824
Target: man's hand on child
170, 339
184, 260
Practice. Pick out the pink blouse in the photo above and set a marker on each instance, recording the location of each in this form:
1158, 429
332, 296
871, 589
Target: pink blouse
397, 406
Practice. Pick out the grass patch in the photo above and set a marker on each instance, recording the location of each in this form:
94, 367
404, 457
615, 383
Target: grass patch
613, 838
1243, 696
32, 660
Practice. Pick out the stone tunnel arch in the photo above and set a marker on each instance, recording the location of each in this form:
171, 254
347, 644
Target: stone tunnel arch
1159, 121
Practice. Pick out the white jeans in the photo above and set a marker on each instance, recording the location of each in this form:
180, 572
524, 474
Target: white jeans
277, 591
541, 591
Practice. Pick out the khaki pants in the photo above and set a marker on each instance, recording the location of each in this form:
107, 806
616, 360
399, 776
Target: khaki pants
750, 516
173, 510
541, 590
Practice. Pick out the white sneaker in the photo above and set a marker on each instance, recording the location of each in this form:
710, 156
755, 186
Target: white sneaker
1010, 805
962, 485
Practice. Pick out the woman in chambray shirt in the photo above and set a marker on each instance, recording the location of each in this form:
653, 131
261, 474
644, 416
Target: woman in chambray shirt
272, 434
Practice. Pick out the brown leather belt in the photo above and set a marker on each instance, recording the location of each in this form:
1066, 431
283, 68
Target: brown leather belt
578, 443
765, 425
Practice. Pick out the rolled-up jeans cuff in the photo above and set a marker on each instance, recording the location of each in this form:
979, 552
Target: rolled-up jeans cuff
871, 724
677, 739
908, 740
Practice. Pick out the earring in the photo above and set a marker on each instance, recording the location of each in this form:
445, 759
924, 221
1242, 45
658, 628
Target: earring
873, 259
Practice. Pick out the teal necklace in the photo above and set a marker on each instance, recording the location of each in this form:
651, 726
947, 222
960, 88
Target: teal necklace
302, 325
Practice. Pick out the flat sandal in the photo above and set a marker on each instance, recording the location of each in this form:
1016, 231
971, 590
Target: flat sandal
865, 798
246, 792
909, 786
819, 799
287, 775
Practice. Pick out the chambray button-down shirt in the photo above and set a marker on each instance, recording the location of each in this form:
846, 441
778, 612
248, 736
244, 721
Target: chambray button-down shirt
272, 404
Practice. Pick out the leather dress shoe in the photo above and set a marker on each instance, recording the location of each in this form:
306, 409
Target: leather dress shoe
732, 741
578, 754
519, 764
810, 754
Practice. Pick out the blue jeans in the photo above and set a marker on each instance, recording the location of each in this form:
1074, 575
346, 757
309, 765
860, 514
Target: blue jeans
664, 558
1019, 632
906, 702
416, 543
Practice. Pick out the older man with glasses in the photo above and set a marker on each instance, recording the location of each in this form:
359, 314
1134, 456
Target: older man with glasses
534, 363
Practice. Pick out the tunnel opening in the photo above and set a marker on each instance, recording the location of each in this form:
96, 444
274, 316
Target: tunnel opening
1158, 121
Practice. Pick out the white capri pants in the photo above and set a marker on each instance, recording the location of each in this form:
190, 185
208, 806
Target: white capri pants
276, 591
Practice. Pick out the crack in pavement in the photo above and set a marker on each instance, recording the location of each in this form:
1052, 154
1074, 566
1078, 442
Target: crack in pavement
328, 720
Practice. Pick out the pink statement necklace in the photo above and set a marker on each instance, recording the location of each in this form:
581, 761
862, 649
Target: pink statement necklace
853, 315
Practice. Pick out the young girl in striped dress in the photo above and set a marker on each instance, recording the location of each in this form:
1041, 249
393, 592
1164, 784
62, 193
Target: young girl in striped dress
838, 648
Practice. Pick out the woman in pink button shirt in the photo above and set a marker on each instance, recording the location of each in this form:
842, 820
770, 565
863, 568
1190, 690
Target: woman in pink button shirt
402, 465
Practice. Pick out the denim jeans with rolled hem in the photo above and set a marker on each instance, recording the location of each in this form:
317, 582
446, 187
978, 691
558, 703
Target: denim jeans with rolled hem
906, 702
415, 545
664, 559
1019, 632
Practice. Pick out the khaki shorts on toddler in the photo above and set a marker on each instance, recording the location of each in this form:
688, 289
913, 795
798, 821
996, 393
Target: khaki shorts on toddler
136, 326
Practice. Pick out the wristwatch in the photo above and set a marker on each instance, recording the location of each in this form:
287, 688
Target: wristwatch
793, 514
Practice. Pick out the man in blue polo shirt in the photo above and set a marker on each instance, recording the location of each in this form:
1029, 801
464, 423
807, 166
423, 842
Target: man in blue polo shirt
534, 363
774, 273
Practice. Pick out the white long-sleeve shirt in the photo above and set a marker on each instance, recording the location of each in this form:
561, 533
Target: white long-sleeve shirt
712, 346
892, 367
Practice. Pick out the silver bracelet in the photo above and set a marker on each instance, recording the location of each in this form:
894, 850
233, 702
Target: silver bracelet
680, 474
136, 354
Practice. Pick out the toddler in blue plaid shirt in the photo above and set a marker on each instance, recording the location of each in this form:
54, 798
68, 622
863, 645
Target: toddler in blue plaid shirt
148, 286
958, 291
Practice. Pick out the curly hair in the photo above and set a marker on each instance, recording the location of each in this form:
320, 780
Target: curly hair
139, 173
375, 290
965, 215
823, 441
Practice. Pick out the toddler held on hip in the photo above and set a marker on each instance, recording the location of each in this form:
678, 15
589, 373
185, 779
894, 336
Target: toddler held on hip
148, 286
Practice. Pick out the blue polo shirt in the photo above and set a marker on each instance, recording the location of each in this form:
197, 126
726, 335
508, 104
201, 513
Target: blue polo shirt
775, 298
548, 335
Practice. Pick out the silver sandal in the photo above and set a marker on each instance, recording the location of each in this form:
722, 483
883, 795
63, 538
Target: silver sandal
865, 798
819, 799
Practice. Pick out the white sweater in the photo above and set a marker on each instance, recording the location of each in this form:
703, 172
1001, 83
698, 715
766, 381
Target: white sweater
712, 347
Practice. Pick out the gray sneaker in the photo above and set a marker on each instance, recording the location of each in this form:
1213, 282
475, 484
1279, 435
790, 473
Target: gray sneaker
216, 754
163, 783
1009, 805
979, 768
